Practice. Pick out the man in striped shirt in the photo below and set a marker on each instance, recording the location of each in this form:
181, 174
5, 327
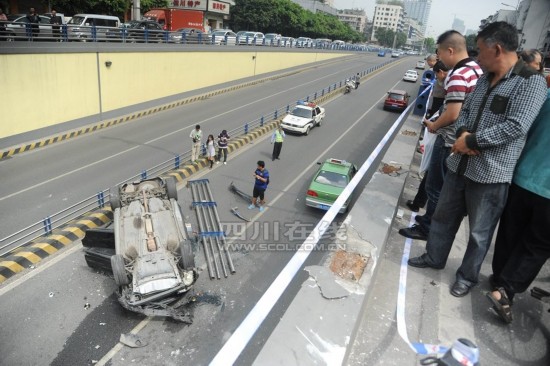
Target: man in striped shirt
490, 135
460, 82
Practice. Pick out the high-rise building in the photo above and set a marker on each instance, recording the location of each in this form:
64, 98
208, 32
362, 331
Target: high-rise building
355, 18
419, 10
458, 25
387, 16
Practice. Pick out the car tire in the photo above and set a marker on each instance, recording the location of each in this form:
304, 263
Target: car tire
171, 189
114, 198
320, 123
307, 130
119, 270
187, 260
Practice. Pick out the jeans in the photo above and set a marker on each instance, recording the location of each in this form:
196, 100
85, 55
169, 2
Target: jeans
484, 204
434, 181
222, 150
522, 245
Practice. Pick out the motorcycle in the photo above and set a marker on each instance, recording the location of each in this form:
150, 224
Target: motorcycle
348, 86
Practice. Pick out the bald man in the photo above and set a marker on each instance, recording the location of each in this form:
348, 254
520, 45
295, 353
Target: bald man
460, 81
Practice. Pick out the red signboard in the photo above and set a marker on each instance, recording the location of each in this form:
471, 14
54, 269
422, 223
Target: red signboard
188, 4
218, 7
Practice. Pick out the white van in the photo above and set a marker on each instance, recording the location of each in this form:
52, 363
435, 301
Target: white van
81, 27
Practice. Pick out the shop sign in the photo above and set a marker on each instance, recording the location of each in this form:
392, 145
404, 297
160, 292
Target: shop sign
218, 7
188, 4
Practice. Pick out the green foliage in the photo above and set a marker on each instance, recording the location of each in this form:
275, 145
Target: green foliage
471, 42
430, 44
289, 19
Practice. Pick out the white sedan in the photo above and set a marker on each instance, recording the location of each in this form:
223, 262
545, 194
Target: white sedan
411, 75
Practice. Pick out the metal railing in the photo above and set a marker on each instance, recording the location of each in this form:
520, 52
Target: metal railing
10, 32
61, 218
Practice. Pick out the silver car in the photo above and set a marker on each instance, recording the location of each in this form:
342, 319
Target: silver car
225, 37
19, 28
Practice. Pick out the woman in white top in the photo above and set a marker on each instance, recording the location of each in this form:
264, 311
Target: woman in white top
210, 149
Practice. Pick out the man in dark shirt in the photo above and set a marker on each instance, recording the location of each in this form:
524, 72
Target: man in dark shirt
261, 180
34, 20
490, 133
56, 22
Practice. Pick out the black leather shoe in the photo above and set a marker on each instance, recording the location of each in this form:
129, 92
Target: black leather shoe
414, 232
420, 262
460, 289
418, 218
410, 204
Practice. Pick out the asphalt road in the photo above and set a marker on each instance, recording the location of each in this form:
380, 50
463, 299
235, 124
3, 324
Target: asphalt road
45, 309
45, 181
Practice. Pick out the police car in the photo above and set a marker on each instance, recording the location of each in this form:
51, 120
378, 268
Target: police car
303, 118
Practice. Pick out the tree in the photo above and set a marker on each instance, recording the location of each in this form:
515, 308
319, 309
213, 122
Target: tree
430, 44
401, 40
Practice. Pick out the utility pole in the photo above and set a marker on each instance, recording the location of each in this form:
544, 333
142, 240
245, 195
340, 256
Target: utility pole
136, 10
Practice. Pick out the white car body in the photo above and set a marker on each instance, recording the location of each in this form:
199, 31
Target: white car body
303, 118
420, 65
411, 75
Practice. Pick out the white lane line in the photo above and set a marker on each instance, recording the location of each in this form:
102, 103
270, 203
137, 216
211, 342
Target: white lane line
158, 138
118, 346
234, 346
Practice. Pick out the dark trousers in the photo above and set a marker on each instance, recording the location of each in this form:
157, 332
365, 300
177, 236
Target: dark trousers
277, 146
224, 152
522, 245
434, 181
421, 196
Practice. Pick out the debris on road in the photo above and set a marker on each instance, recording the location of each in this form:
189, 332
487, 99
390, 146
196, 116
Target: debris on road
132, 340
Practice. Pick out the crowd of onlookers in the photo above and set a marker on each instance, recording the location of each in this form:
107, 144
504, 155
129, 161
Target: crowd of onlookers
487, 162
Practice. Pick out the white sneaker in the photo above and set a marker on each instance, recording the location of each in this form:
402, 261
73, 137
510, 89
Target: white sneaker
217, 162
225, 163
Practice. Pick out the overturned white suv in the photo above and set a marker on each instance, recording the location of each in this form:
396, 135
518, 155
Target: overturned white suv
303, 118
153, 262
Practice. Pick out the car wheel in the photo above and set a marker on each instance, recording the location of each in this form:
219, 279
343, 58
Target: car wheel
171, 189
307, 130
320, 123
114, 198
119, 270
187, 260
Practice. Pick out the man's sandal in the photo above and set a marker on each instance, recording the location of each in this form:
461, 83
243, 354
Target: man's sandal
502, 307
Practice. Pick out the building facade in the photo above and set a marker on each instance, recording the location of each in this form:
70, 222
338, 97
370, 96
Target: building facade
415, 37
387, 16
532, 19
355, 18
419, 10
316, 6
458, 25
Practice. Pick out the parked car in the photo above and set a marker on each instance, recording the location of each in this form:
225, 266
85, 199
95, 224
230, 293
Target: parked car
83, 27
396, 100
303, 118
328, 183
287, 42
395, 54
138, 31
420, 65
410, 75
189, 36
381, 53
272, 39
18, 28
304, 42
225, 37
252, 38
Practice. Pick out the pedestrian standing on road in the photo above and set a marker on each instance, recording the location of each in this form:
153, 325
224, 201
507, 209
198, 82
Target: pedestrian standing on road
522, 245
196, 136
261, 180
3, 21
460, 82
56, 22
34, 21
277, 140
223, 141
490, 134
211, 149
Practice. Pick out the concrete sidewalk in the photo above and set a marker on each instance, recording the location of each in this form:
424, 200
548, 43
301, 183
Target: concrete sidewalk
333, 321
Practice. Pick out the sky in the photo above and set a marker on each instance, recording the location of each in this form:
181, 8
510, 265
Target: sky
443, 12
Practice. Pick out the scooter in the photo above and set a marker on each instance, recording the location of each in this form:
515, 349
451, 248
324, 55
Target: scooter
348, 86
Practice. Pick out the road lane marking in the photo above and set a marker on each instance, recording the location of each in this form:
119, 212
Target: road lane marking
234, 346
155, 140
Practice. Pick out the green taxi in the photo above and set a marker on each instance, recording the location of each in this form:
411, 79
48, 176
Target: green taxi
329, 182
